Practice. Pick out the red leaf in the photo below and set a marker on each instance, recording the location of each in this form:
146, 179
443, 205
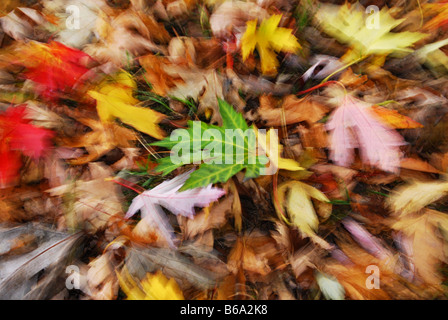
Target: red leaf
18, 134
10, 165
55, 66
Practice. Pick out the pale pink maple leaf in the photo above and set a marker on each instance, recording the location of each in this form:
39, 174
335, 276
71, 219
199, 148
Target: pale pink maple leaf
354, 125
167, 195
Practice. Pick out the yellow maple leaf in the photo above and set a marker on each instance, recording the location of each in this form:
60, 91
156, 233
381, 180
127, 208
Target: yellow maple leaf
295, 197
152, 287
268, 39
270, 144
349, 24
115, 100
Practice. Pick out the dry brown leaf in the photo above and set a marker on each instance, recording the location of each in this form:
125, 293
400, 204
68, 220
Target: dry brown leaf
209, 53
233, 287
305, 258
210, 218
102, 139
243, 257
417, 165
130, 32
313, 137
144, 232
92, 200
204, 86
292, 110
282, 237
160, 80
353, 279
231, 17
8, 5
101, 278
22, 23
439, 161
426, 233
344, 176
181, 50
354, 81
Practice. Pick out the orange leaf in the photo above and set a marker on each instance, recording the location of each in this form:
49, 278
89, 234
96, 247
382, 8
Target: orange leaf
394, 119
417, 165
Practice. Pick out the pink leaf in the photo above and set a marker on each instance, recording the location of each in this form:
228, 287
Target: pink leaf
365, 239
180, 203
354, 126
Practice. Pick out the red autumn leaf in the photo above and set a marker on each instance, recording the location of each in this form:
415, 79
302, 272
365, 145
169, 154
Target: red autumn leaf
17, 135
9, 166
55, 66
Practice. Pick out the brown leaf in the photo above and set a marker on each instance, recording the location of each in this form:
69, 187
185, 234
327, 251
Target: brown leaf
160, 80
102, 139
231, 17
203, 86
353, 279
313, 137
439, 161
417, 165
425, 233
292, 110
101, 278
92, 200
243, 257
130, 32
216, 217
21, 23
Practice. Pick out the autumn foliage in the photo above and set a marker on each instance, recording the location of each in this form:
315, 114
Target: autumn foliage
335, 188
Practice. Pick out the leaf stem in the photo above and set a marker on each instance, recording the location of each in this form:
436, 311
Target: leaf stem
320, 86
343, 68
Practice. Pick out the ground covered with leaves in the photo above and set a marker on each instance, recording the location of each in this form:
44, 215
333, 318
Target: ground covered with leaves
333, 186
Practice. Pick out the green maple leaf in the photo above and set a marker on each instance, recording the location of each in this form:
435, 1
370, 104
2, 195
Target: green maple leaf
234, 149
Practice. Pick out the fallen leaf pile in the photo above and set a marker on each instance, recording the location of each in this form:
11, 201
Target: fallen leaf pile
220, 150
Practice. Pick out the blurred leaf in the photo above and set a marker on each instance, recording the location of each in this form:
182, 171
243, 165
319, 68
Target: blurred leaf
45, 250
268, 39
115, 100
152, 287
216, 171
349, 25
296, 196
425, 243
415, 196
353, 125
394, 119
330, 287
167, 194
